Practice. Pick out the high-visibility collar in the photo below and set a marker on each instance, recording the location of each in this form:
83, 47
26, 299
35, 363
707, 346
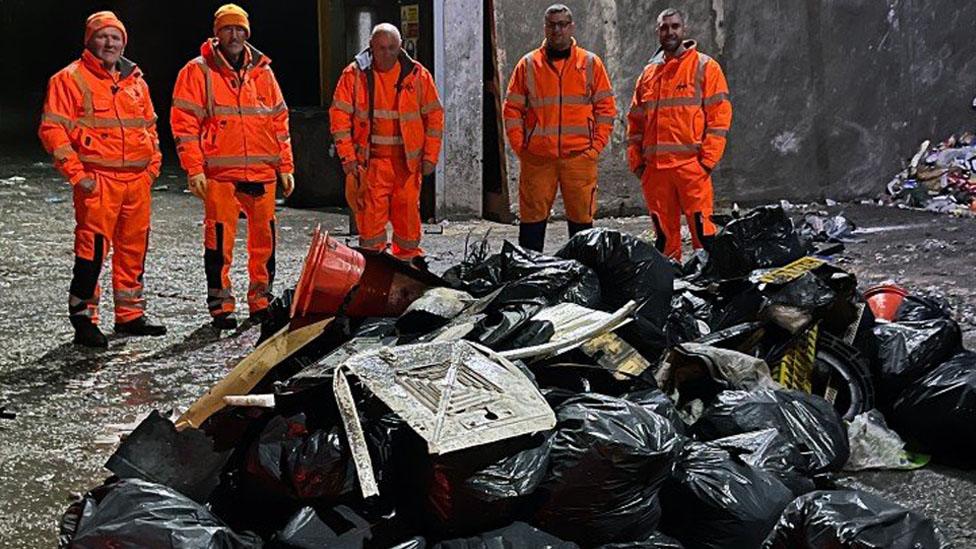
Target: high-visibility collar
253, 57
574, 55
94, 65
364, 62
660, 58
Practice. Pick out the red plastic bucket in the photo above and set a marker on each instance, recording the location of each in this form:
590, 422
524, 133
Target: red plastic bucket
885, 300
331, 270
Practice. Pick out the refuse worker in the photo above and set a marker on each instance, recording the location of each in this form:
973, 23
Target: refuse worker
387, 122
230, 123
677, 125
100, 126
559, 113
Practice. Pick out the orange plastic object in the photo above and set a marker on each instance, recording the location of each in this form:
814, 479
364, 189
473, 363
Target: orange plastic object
885, 300
331, 270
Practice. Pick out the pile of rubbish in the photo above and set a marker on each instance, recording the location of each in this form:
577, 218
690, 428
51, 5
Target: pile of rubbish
939, 178
600, 397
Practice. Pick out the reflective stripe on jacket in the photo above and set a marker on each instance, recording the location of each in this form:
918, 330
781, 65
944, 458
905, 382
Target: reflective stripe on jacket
96, 121
419, 112
680, 112
554, 114
231, 125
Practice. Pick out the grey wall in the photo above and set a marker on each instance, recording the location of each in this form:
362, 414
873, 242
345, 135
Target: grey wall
828, 95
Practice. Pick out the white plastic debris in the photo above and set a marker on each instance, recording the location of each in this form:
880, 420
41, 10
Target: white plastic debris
874, 445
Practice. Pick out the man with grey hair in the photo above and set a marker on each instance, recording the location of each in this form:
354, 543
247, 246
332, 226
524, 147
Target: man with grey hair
559, 113
387, 121
677, 126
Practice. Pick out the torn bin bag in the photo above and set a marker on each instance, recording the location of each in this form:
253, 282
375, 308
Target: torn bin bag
714, 501
851, 519
808, 421
608, 459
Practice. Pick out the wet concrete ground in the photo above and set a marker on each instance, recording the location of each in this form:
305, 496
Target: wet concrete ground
66, 398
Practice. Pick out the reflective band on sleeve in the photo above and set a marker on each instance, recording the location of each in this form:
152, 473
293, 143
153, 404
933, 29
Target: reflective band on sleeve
714, 99
601, 119
58, 119
601, 95
717, 131
180, 139
344, 134
434, 132
412, 115
342, 106
512, 123
410, 155
62, 152
516, 98
189, 106
432, 106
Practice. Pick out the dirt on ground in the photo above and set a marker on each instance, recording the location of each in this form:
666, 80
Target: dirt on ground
69, 401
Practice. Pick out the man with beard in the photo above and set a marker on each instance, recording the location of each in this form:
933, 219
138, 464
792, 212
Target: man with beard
100, 126
677, 126
559, 113
230, 123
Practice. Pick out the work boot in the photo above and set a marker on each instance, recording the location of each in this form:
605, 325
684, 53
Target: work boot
532, 236
420, 263
259, 316
139, 327
577, 227
224, 321
87, 334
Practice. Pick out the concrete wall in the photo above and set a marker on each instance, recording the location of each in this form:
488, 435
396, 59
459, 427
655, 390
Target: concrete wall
460, 77
829, 95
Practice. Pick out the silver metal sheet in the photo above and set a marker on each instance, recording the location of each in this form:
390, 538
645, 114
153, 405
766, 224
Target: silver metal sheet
455, 395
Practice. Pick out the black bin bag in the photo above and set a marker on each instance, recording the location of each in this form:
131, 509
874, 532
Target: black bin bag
938, 413
137, 513
808, 421
762, 238
851, 519
715, 501
608, 459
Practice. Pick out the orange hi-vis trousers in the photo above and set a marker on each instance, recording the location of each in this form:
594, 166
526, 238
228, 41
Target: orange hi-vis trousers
540, 178
391, 193
685, 189
115, 213
223, 204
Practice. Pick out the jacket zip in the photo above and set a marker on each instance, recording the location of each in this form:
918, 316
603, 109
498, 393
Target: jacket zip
115, 105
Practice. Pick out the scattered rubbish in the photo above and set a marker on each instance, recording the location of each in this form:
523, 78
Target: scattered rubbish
835, 228
851, 519
7, 414
875, 446
160, 188
939, 178
13, 180
55, 199
714, 501
604, 396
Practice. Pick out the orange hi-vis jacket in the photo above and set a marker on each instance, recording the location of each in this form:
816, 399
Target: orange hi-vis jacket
555, 114
230, 125
680, 112
94, 121
418, 110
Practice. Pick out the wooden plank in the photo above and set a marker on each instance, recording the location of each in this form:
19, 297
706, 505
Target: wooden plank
250, 371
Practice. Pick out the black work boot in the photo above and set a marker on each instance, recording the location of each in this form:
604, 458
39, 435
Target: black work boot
532, 236
87, 333
259, 316
224, 321
139, 327
577, 227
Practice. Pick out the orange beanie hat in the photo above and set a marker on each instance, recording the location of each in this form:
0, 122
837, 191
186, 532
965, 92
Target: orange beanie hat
101, 19
231, 14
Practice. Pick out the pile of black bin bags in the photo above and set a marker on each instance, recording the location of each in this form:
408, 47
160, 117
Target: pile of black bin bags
703, 461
